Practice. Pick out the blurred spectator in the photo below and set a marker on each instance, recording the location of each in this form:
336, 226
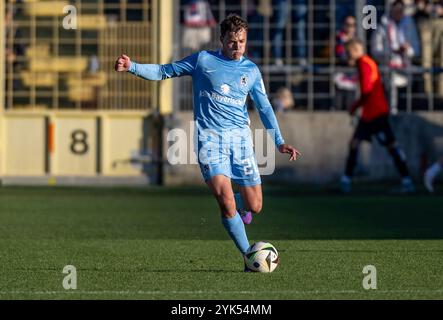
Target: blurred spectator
299, 11
198, 21
281, 15
390, 49
429, 19
283, 101
278, 12
409, 28
260, 10
343, 9
345, 82
347, 33
264, 8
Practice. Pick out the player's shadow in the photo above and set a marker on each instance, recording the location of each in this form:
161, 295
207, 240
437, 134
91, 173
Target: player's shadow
145, 269
190, 270
371, 211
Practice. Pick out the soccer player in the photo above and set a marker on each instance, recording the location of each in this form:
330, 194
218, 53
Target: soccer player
431, 174
374, 119
222, 81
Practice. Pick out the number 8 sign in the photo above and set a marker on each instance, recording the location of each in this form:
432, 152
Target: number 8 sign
76, 143
79, 145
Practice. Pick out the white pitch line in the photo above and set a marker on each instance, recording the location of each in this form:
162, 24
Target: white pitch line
140, 292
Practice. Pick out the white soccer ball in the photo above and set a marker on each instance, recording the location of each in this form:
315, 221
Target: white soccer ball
262, 257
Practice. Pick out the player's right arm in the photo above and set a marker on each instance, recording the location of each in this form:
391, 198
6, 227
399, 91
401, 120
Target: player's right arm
157, 71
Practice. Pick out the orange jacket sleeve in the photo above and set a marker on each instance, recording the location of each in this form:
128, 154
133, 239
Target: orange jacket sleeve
367, 77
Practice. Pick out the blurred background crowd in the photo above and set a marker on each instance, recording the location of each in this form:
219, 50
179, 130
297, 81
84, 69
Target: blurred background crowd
299, 45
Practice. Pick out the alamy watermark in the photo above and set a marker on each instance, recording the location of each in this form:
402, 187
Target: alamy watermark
70, 281
70, 20
370, 279
369, 20
206, 146
370, 17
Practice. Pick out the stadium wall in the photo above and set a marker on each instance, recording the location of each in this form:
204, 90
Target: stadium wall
118, 148
69, 147
322, 138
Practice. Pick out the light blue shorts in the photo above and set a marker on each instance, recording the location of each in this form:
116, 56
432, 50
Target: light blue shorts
230, 154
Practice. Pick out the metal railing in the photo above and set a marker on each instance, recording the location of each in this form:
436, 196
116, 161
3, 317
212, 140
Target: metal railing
52, 68
310, 27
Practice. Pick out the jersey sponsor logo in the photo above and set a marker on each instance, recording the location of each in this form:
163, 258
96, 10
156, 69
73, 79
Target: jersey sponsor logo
222, 99
225, 88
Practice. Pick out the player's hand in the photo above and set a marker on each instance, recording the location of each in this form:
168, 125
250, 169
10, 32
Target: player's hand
286, 148
123, 63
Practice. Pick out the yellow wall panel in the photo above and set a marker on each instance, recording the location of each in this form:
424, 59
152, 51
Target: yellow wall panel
122, 141
2, 55
46, 8
24, 146
75, 146
166, 26
69, 145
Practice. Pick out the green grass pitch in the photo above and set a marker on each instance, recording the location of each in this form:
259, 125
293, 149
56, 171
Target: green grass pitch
168, 243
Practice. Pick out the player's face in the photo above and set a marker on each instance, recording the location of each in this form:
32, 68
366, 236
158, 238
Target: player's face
234, 44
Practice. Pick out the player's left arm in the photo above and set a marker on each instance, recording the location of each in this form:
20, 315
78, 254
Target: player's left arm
367, 79
268, 118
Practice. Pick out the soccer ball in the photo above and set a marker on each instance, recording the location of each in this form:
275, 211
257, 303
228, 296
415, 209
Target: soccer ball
261, 257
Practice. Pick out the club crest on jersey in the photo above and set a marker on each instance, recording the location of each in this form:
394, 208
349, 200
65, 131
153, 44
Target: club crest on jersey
225, 89
244, 80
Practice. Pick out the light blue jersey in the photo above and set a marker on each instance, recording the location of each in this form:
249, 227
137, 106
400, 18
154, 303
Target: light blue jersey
221, 87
